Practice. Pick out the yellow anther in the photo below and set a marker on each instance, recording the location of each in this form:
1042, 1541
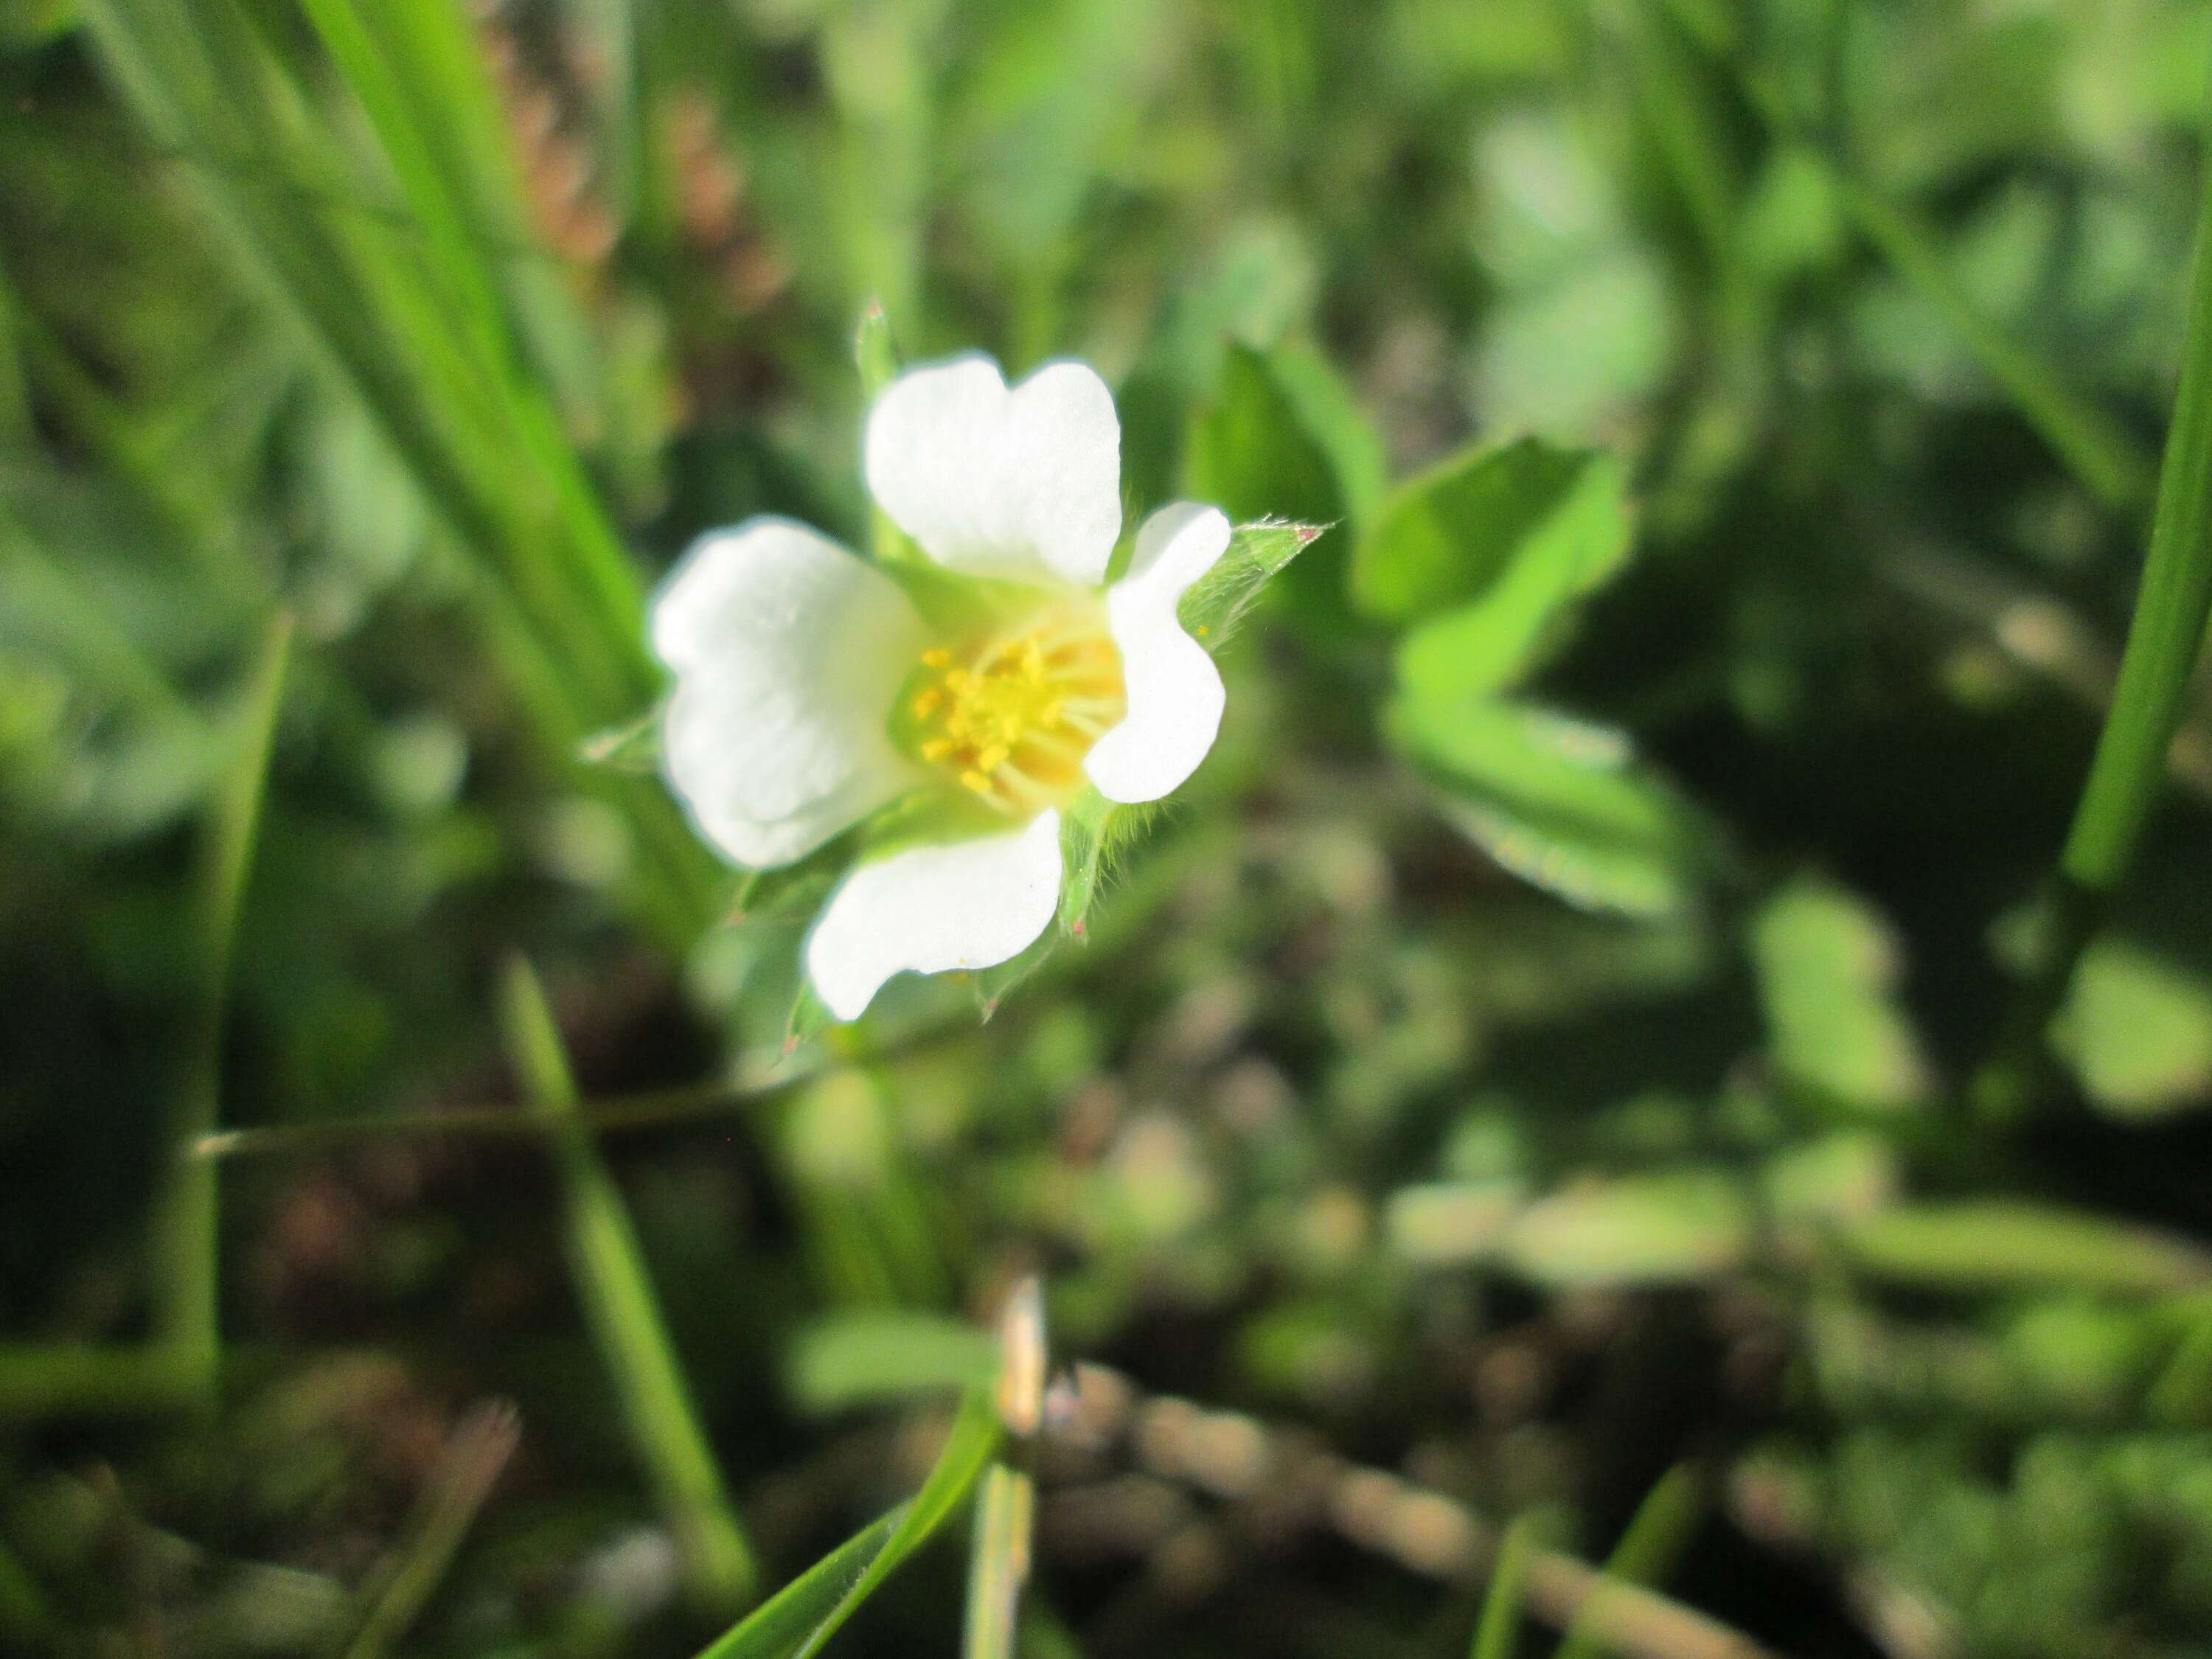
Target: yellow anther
1011, 719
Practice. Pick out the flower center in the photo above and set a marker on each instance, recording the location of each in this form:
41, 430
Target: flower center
1012, 719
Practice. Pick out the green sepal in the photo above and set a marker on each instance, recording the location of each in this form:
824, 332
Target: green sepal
1083, 829
991, 984
633, 747
1213, 605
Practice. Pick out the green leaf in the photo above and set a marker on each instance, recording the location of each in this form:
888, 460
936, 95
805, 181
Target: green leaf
1496, 1627
2137, 1031
1559, 802
1217, 601
1828, 967
853, 1359
1544, 558
2013, 1243
1645, 1230
806, 1612
1281, 438
1456, 532
622, 1310
1648, 1550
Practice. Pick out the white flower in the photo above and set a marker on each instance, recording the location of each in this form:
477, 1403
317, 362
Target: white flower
810, 691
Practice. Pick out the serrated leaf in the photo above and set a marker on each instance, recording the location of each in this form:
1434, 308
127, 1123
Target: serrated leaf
1451, 535
1558, 802
1562, 536
1257, 552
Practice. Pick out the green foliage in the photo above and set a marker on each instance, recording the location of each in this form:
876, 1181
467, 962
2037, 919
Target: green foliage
1828, 971
1993, 1243
1558, 802
862, 1358
800, 1618
1457, 532
2137, 1029
443, 331
1486, 558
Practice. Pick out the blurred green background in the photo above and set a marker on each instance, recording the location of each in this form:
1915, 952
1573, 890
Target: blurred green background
1531, 1057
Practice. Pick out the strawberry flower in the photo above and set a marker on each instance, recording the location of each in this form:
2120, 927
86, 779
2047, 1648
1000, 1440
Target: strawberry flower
969, 700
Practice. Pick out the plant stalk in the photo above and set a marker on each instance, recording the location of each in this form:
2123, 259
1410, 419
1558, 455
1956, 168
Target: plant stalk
187, 1233
2163, 637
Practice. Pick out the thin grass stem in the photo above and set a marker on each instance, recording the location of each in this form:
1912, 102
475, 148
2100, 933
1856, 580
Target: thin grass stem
624, 1314
1499, 1622
2129, 766
469, 1466
187, 1233
1649, 1548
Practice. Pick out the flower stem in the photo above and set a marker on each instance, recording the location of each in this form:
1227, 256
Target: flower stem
625, 1316
2129, 766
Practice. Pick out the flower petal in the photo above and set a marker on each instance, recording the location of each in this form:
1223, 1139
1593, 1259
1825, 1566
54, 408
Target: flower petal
1174, 691
971, 904
788, 654
1025, 483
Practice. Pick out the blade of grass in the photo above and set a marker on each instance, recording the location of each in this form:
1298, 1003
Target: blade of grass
806, 1613
1499, 1622
2129, 768
623, 1313
83, 1379
469, 1466
2094, 447
396, 305
187, 1260
99, 647
1652, 1542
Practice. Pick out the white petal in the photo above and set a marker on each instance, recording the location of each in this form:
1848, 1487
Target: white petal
788, 654
1176, 694
1025, 483
971, 904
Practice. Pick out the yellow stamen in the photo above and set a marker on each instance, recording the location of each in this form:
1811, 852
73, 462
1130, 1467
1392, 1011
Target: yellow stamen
1012, 719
